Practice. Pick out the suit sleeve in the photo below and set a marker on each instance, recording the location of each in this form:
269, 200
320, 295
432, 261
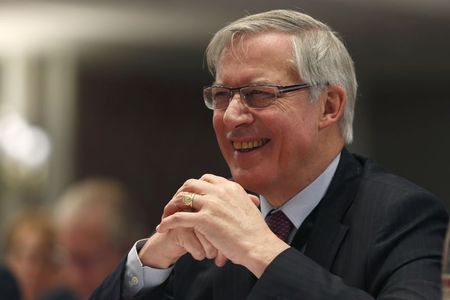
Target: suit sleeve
112, 288
403, 260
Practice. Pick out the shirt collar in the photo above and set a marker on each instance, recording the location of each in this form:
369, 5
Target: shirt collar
301, 205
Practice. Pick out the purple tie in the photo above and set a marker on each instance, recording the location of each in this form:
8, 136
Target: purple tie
279, 224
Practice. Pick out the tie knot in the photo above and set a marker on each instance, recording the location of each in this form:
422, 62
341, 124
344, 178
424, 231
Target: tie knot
279, 224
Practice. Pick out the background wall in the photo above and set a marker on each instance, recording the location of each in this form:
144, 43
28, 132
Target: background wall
116, 86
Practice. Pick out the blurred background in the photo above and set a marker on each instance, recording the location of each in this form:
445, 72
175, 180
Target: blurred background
114, 88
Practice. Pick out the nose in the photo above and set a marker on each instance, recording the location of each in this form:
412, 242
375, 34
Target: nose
237, 114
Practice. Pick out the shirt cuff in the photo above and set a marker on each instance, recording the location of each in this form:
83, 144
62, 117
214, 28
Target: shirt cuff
138, 276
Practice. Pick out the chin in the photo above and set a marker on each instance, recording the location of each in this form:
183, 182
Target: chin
249, 181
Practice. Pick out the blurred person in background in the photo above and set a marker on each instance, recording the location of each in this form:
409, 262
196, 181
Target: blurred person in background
95, 227
30, 253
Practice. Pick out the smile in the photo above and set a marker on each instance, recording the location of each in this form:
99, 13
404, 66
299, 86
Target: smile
249, 145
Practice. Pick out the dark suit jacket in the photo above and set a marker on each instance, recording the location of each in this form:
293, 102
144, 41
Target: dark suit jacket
8, 286
373, 236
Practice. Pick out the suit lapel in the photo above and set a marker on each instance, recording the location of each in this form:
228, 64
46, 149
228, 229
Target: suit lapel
327, 231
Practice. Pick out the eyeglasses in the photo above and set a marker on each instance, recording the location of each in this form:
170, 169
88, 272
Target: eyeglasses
218, 97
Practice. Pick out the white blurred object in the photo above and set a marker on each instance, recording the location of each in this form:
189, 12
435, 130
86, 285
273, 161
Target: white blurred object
23, 143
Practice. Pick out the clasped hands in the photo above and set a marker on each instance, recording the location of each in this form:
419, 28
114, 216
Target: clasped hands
224, 223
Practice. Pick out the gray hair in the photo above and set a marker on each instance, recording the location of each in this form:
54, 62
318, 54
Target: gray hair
320, 56
103, 199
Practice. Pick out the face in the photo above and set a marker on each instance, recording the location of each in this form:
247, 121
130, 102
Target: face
89, 255
30, 258
281, 140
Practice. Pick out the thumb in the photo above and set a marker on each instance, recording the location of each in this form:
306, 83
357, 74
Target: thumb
254, 199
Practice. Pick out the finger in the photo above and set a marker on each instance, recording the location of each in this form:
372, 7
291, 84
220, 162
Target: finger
178, 220
229, 184
187, 183
254, 199
180, 202
210, 250
189, 241
214, 179
220, 259
173, 206
196, 186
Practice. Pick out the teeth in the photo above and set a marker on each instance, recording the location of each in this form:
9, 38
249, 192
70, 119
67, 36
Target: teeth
248, 144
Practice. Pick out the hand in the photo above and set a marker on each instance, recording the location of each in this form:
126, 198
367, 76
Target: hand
227, 217
177, 205
163, 249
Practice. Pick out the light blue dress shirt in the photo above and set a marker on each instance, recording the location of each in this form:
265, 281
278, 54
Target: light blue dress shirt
138, 276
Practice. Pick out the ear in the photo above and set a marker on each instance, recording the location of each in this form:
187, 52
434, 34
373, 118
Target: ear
332, 106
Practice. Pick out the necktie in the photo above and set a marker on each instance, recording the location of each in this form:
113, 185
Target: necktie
279, 224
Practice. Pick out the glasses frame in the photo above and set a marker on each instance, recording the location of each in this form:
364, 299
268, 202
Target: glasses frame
281, 90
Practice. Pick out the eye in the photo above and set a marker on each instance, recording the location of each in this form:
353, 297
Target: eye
220, 93
258, 97
258, 92
220, 97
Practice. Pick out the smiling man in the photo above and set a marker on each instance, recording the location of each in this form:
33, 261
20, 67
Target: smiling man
327, 225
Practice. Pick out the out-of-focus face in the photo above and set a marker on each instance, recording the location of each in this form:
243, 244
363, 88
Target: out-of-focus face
30, 259
89, 255
284, 136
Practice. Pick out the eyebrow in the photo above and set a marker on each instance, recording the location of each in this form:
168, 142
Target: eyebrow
247, 84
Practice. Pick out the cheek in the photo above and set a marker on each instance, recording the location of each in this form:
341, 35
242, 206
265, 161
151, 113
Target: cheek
295, 132
220, 135
218, 126
216, 120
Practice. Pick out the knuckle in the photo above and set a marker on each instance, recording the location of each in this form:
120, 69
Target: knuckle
198, 254
212, 253
205, 176
176, 218
203, 217
188, 183
222, 191
235, 187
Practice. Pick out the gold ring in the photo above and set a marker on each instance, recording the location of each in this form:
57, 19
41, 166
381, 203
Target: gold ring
188, 199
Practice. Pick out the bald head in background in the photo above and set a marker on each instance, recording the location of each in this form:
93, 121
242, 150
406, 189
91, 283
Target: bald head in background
96, 226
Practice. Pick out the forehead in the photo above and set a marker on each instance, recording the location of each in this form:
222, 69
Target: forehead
266, 56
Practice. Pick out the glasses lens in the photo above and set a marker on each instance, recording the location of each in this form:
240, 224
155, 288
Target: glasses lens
259, 96
207, 97
216, 97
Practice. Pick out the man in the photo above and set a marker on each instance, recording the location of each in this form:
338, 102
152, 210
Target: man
283, 101
95, 228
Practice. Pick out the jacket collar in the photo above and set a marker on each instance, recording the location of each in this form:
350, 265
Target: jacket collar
327, 231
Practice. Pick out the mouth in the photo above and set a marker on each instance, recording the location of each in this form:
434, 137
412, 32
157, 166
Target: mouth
248, 146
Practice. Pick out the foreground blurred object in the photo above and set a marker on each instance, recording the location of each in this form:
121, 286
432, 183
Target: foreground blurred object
8, 285
94, 229
31, 253
446, 267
